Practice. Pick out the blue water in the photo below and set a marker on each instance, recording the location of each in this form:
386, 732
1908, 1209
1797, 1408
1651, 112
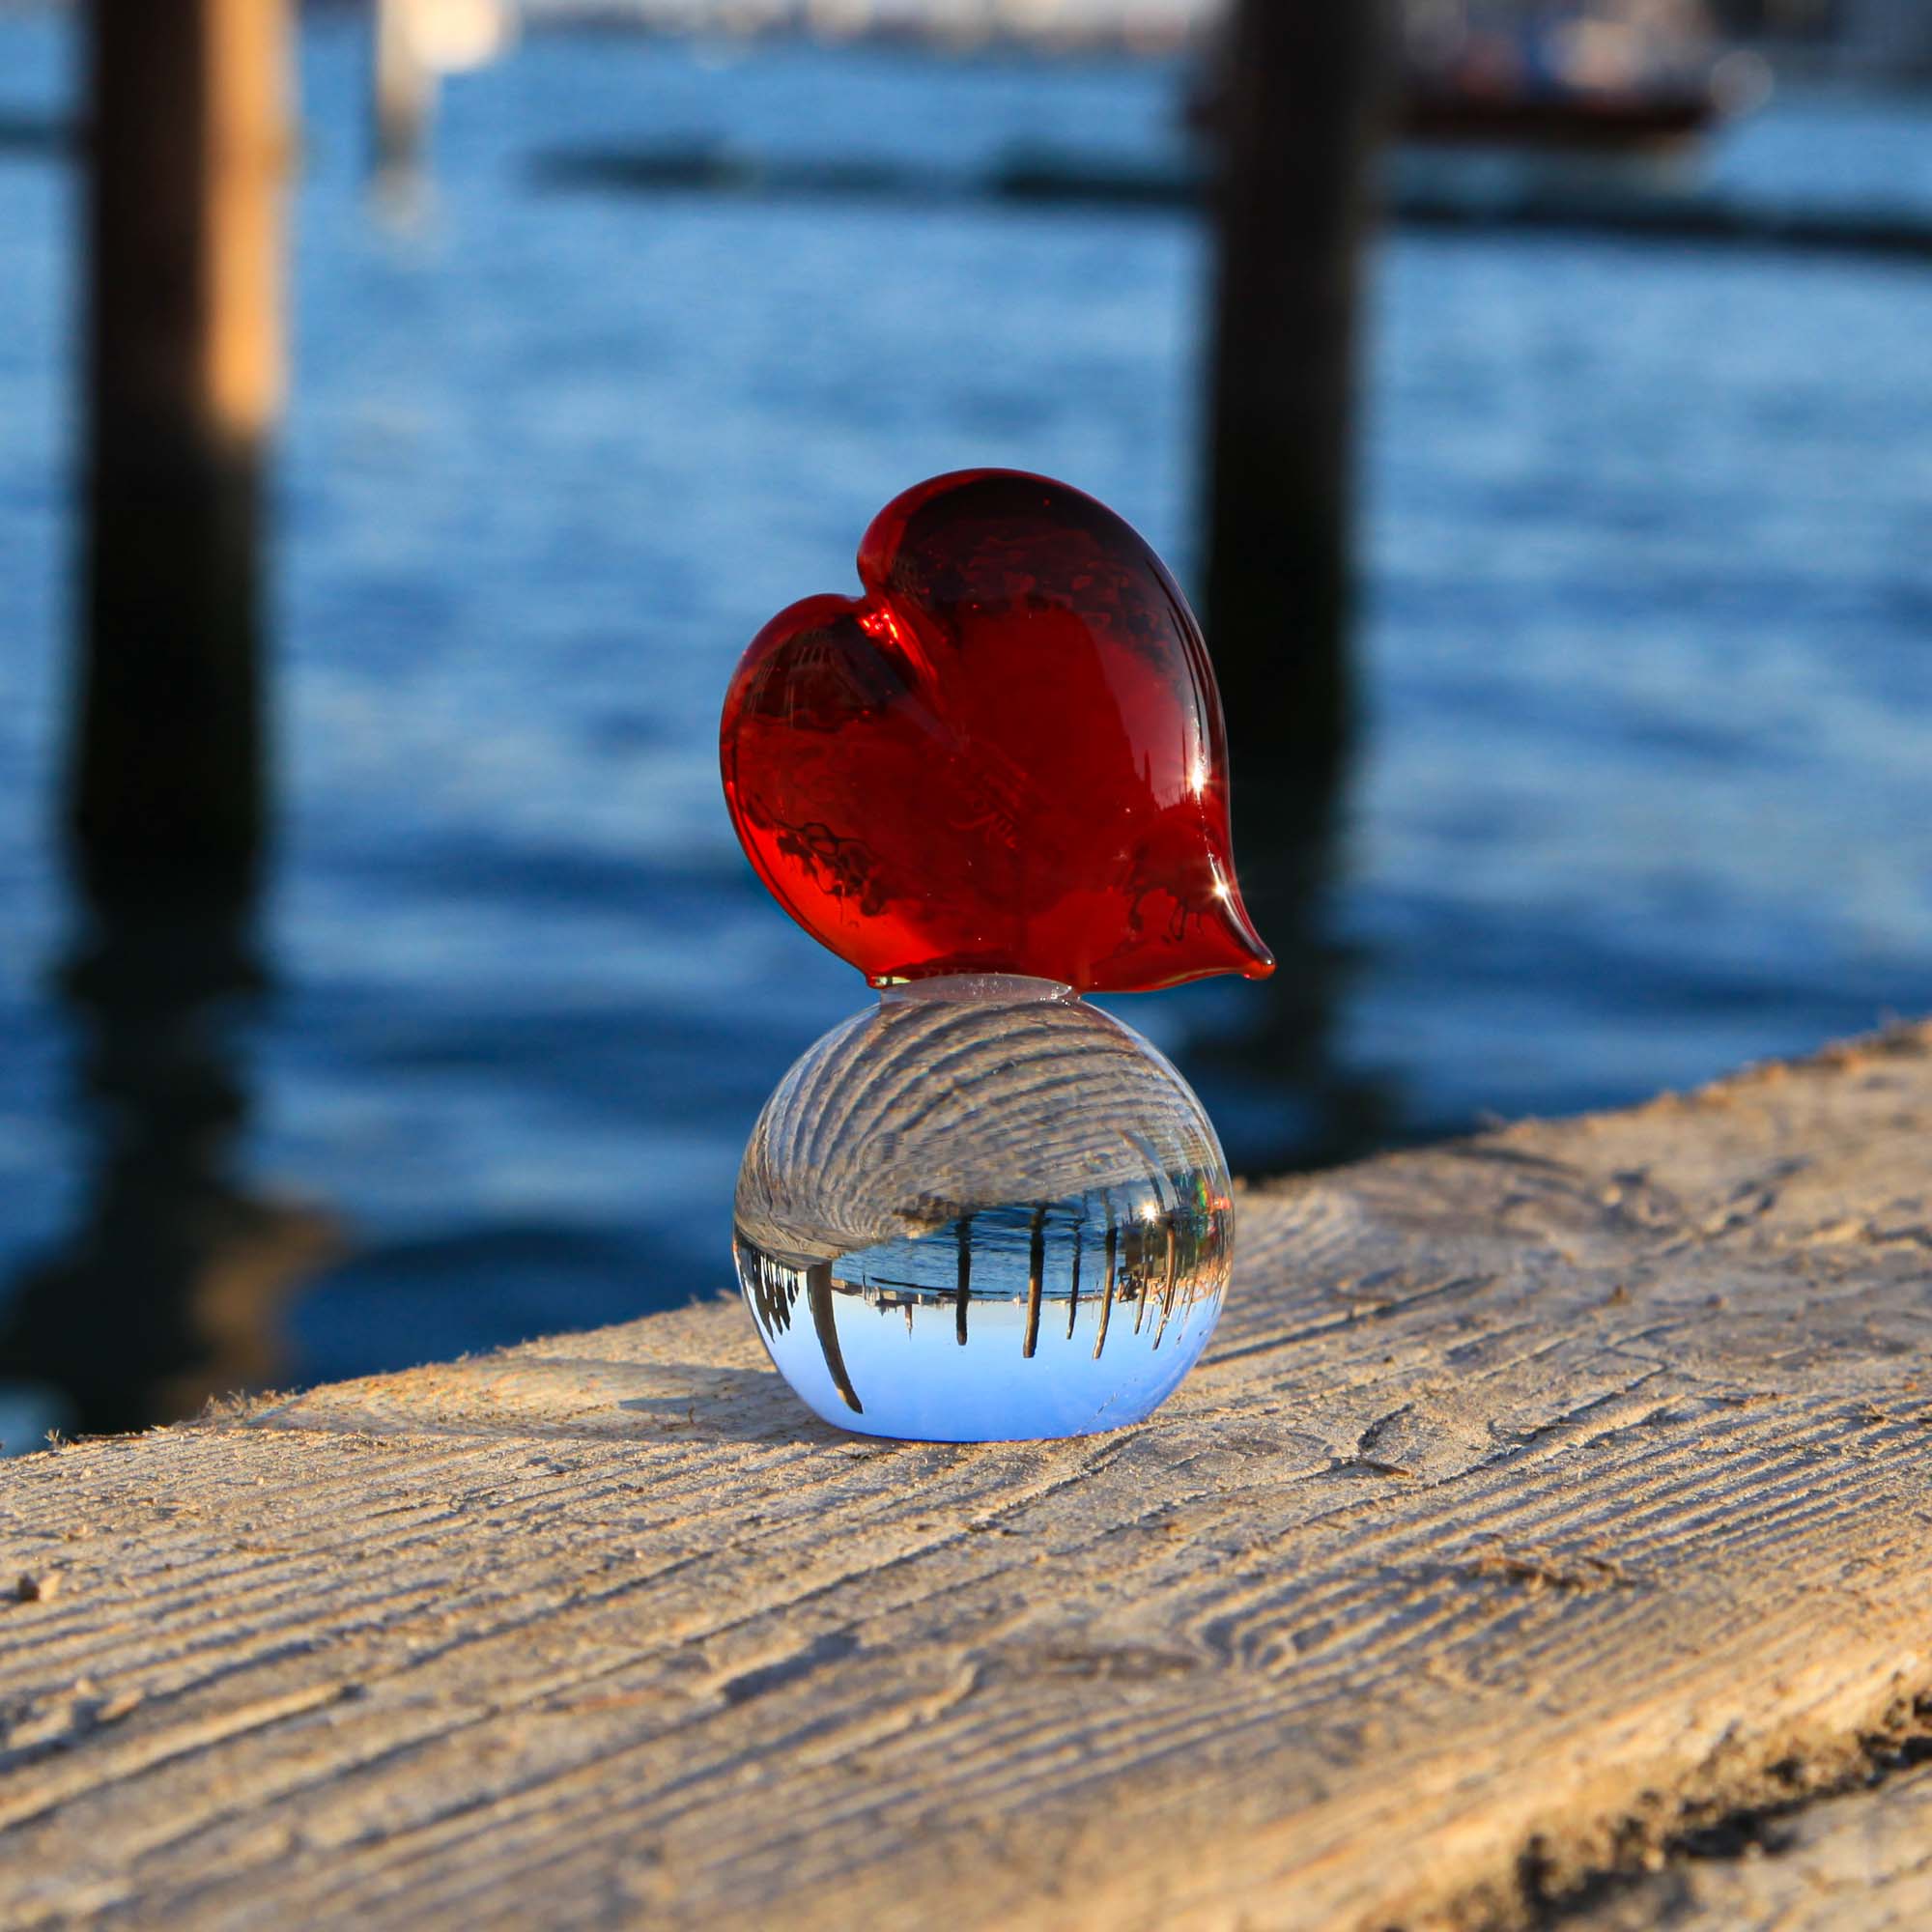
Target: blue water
1644, 789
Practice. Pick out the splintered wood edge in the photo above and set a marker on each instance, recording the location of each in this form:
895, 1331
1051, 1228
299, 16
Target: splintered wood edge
1541, 1494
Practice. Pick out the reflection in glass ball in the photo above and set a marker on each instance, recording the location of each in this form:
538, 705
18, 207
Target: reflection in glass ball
983, 1211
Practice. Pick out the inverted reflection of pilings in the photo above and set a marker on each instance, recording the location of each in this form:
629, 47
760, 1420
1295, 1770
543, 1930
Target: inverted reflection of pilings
1167, 1287
963, 1291
1073, 1299
1113, 1250
1137, 1269
818, 1292
760, 1309
1189, 1301
1036, 1280
772, 1318
775, 1294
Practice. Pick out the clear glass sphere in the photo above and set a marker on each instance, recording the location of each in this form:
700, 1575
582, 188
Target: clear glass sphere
983, 1211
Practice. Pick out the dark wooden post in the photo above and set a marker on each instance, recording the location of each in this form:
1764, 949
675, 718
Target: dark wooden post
1300, 119
183, 375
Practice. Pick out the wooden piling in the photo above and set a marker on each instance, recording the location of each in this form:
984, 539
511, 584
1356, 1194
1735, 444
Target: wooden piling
189, 113
1297, 118
405, 90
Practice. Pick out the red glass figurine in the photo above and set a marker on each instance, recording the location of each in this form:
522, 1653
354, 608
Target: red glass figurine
1005, 757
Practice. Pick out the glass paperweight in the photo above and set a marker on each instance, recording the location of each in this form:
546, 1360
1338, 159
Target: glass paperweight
986, 1210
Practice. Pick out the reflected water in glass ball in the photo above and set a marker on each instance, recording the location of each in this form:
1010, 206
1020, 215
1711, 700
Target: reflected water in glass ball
983, 1211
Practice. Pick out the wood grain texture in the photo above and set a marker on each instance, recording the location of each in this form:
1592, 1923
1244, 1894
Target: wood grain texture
1537, 1491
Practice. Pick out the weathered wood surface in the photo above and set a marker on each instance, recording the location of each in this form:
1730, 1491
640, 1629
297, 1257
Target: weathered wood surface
1542, 1494
1862, 1860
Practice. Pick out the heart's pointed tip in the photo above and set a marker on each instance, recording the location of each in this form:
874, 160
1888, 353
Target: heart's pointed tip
1252, 958
1223, 943
1257, 956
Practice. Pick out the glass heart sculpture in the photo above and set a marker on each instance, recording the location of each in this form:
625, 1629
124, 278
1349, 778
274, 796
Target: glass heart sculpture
994, 782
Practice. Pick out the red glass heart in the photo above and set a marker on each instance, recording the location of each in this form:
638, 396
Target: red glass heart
1007, 756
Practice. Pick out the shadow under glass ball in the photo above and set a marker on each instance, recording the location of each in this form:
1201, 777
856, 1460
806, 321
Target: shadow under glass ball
983, 1211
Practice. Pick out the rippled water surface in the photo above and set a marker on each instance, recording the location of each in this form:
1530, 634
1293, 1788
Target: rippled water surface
1643, 790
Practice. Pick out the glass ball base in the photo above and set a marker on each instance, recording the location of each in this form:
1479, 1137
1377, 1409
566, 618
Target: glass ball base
983, 1211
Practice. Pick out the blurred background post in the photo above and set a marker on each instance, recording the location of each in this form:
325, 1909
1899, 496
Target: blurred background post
414, 44
188, 154
405, 88
1296, 113
1297, 119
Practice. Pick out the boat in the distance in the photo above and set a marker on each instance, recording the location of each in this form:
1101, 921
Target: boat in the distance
1616, 77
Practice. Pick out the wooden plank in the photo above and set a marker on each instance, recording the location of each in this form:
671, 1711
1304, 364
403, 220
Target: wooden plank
1862, 1863
1539, 1494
